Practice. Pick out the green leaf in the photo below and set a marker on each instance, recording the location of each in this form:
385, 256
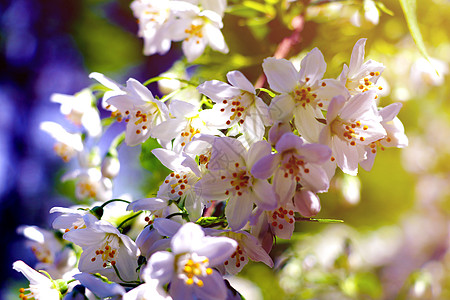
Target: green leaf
409, 9
319, 220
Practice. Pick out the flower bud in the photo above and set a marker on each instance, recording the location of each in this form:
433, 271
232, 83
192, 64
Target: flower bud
110, 166
307, 203
277, 130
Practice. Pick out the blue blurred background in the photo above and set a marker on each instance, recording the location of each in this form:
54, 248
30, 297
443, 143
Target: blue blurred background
46, 47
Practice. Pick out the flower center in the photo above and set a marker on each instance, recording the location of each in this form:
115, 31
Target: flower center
293, 166
193, 267
238, 256
195, 30
237, 107
86, 189
188, 133
180, 183
240, 181
304, 96
349, 131
42, 253
107, 251
64, 151
280, 216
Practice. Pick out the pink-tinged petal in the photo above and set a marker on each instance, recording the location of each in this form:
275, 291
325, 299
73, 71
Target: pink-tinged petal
336, 105
389, 112
238, 211
127, 263
134, 139
218, 91
99, 287
192, 49
214, 288
315, 153
266, 198
148, 204
367, 164
325, 136
170, 159
188, 237
212, 187
316, 179
282, 221
357, 58
238, 80
255, 251
140, 91
257, 151
343, 76
161, 266
360, 107
168, 129
347, 157
307, 203
180, 290
278, 130
215, 38
31, 274
281, 108
288, 142
84, 237
396, 133
266, 166
374, 132
181, 109
225, 153
367, 68
331, 89
216, 249
313, 67
281, 74
108, 82
306, 122
284, 187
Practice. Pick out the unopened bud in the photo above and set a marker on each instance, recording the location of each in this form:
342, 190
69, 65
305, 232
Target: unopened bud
277, 131
110, 166
307, 203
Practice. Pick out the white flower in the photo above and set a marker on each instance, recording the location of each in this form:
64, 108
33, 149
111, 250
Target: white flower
142, 112
103, 248
230, 178
90, 184
153, 17
295, 163
352, 125
178, 185
302, 93
395, 134
361, 76
187, 123
198, 28
71, 218
237, 105
49, 251
67, 144
41, 287
148, 290
427, 73
248, 247
80, 111
188, 268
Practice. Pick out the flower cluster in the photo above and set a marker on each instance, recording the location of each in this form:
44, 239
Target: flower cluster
197, 23
243, 170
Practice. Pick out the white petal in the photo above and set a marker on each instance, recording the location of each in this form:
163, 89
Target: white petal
313, 67
238, 80
281, 108
218, 90
281, 74
188, 237
266, 198
357, 58
148, 204
192, 49
238, 211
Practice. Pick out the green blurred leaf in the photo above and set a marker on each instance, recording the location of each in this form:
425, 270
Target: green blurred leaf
409, 9
319, 220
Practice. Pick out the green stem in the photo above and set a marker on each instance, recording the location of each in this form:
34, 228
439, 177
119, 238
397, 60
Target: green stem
158, 78
128, 219
118, 275
114, 200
